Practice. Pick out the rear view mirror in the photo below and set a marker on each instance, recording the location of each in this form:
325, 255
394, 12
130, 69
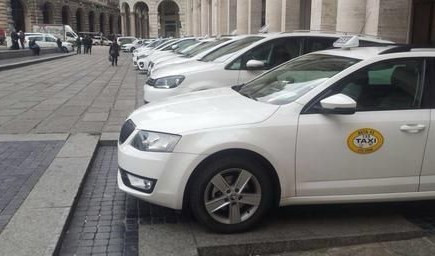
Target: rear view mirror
174, 47
338, 104
254, 64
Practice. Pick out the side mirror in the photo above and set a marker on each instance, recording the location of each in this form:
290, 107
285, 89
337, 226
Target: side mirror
338, 104
174, 47
254, 64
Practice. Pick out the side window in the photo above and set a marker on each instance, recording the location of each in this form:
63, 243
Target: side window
69, 34
387, 85
272, 53
50, 39
313, 44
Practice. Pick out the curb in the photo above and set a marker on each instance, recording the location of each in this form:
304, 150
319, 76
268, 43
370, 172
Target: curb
273, 247
30, 62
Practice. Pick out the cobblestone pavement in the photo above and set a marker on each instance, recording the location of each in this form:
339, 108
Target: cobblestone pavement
106, 220
82, 93
21, 165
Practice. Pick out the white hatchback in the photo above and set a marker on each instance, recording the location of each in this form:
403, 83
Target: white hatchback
236, 63
47, 41
337, 126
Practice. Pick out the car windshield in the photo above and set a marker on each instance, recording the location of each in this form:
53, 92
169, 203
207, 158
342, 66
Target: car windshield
185, 44
155, 43
165, 44
204, 47
290, 81
225, 52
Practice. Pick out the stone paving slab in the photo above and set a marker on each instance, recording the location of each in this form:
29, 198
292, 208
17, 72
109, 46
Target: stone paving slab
26, 61
79, 94
21, 165
39, 222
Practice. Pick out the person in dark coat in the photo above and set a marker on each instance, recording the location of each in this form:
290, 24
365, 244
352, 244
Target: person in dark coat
89, 45
14, 38
22, 38
34, 47
114, 52
59, 45
79, 45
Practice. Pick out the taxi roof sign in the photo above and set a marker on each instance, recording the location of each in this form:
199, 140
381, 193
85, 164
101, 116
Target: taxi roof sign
347, 42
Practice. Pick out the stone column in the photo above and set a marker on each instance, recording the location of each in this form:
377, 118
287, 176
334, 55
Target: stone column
242, 16
205, 18
291, 15
222, 20
153, 23
196, 17
324, 15
132, 24
392, 18
274, 15
232, 16
248, 16
215, 17
351, 16
124, 23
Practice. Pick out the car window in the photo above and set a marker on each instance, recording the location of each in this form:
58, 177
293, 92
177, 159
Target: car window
387, 85
290, 81
272, 53
225, 52
50, 39
313, 44
36, 38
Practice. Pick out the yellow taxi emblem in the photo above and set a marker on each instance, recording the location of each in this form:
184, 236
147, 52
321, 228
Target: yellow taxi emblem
365, 141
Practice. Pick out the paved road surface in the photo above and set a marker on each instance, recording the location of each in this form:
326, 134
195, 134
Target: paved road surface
82, 93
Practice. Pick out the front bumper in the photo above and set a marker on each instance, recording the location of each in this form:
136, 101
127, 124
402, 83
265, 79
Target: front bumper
170, 170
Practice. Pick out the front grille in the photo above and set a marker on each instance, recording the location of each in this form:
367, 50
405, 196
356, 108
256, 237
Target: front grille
126, 131
151, 81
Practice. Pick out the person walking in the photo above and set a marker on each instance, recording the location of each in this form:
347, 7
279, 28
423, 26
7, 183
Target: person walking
90, 45
21, 37
79, 45
114, 52
14, 38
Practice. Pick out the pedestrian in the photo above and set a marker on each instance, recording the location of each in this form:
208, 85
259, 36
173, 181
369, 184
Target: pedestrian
14, 38
22, 38
34, 47
79, 45
59, 45
114, 53
90, 45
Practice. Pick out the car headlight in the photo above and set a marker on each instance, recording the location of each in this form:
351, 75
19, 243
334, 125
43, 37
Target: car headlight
168, 82
155, 141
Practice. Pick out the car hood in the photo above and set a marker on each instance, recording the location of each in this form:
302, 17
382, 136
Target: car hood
201, 110
183, 69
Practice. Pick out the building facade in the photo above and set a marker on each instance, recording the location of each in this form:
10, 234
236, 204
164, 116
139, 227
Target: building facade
81, 15
399, 20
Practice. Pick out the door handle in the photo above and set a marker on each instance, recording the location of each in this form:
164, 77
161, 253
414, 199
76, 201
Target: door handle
412, 128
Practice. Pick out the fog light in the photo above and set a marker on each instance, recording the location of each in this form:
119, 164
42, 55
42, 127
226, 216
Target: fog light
136, 182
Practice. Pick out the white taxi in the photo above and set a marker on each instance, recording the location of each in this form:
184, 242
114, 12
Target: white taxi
237, 62
336, 126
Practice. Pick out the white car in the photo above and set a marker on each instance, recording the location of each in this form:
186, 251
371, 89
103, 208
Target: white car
146, 51
46, 41
122, 40
194, 52
336, 126
167, 47
236, 63
96, 40
130, 47
170, 51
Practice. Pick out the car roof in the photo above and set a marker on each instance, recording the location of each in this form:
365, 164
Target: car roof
364, 53
323, 34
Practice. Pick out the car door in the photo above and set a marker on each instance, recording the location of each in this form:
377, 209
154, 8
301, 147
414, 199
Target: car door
380, 148
427, 178
50, 42
272, 53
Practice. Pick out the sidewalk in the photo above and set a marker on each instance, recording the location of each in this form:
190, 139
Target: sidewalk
6, 64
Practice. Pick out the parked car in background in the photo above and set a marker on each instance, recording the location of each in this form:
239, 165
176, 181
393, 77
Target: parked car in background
125, 40
350, 125
238, 62
130, 47
47, 41
101, 40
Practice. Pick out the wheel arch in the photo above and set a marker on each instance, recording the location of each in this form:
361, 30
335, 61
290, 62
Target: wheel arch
245, 153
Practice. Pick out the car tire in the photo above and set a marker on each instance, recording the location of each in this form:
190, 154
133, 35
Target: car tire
248, 196
132, 49
64, 49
